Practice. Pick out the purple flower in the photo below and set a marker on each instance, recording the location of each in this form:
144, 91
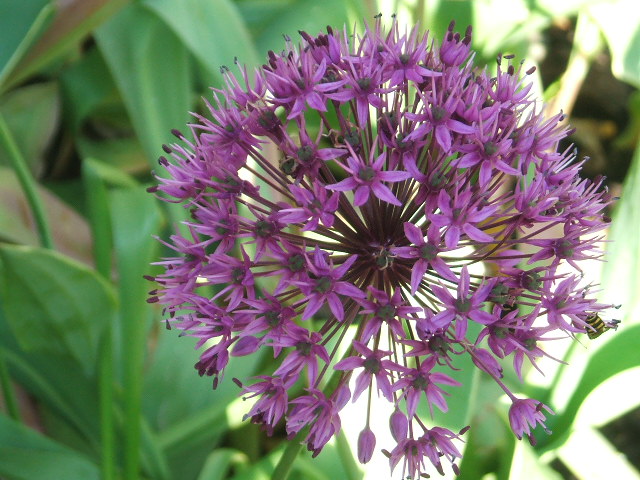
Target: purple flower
525, 414
273, 401
466, 305
427, 254
385, 310
316, 206
460, 215
367, 177
379, 190
307, 353
321, 412
324, 285
416, 381
373, 365
412, 453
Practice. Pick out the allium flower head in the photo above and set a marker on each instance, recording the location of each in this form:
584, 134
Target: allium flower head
352, 192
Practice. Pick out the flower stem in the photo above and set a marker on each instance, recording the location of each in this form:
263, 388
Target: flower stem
27, 183
8, 393
100, 223
283, 469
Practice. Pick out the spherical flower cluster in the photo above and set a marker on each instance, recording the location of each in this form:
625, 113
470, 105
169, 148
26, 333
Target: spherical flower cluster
355, 207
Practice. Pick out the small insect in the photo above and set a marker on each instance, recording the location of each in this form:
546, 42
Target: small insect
596, 326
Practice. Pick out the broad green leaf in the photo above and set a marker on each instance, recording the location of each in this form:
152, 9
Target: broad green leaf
14, 227
86, 85
214, 32
605, 462
173, 387
489, 441
27, 455
173, 390
308, 15
97, 176
219, 463
623, 250
54, 304
66, 398
500, 27
33, 115
151, 69
125, 153
20, 23
109, 175
527, 464
92, 103
347, 457
439, 13
489, 437
70, 231
326, 466
74, 20
618, 354
62, 391
153, 460
621, 28
258, 14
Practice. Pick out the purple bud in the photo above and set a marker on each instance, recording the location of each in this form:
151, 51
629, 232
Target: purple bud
366, 445
245, 346
487, 362
342, 396
399, 425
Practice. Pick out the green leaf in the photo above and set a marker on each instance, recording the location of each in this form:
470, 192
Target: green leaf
219, 463
214, 33
623, 250
33, 116
13, 227
69, 229
64, 394
489, 441
346, 457
97, 176
621, 28
86, 85
606, 462
21, 23
151, 69
527, 464
54, 304
109, 175
501, 27
73, 21
173, 387
27, 455
326, 466
618, 354
308, 15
